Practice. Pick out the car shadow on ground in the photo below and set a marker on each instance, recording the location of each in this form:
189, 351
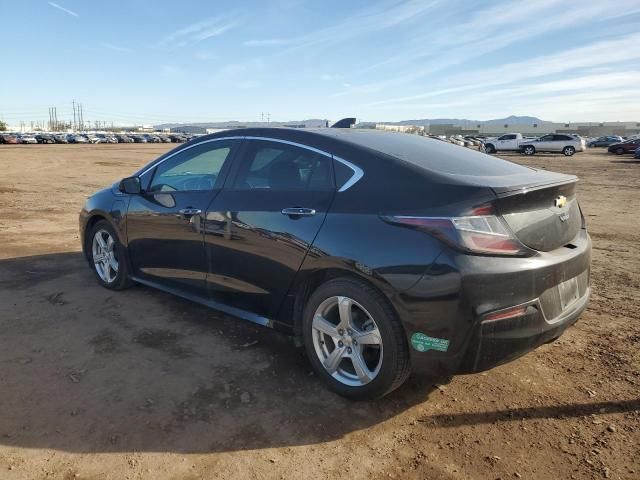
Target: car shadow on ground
85, 369
518, 414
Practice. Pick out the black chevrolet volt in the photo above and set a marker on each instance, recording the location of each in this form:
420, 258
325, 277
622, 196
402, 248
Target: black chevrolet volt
383, 253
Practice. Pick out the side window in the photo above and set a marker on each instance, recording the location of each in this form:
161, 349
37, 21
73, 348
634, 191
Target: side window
503, 137
278, 166
194, 169
547, 138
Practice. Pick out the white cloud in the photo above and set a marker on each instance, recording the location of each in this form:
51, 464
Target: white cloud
489, 30
116, 48
329, 77
268, 42
65, 10
594, 55
197, 32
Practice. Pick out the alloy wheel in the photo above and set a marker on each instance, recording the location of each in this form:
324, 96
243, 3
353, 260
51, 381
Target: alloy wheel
104, 256
347, 341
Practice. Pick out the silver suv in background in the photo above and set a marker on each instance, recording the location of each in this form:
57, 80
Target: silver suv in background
554, 142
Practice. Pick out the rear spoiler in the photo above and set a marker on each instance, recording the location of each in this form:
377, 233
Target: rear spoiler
344, 123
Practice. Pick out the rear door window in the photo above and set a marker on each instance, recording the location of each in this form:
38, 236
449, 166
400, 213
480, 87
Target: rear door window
271, 165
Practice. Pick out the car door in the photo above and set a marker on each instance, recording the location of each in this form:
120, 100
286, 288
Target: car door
545, 143
165, 238
633, 144
501, 142
561, 141
260, 227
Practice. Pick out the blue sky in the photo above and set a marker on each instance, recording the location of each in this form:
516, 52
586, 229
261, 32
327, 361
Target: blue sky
153, 61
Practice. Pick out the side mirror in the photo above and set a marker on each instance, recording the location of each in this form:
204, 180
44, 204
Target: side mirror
130, 185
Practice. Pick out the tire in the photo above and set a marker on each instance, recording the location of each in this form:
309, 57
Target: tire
489, 148
568, 151
384, 354
529, 150
619, 151
113, 272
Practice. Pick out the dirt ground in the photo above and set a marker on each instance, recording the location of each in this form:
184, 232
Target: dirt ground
139, 384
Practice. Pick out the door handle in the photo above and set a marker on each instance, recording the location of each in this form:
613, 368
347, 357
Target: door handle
298, 212
189, 212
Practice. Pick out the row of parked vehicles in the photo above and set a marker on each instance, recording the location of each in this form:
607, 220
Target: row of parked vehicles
44, 138
566, 144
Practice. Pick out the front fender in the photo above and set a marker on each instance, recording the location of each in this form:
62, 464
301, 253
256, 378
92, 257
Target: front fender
106, 205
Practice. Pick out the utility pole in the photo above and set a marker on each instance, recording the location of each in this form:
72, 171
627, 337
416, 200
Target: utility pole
73, 104
268, 117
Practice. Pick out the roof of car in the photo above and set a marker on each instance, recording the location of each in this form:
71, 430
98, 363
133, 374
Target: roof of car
427, 153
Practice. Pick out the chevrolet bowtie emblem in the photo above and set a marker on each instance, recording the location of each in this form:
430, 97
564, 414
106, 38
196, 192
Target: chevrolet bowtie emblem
560, 201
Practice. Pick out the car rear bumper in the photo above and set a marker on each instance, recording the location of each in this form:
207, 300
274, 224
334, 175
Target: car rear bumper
453, 300
500, 341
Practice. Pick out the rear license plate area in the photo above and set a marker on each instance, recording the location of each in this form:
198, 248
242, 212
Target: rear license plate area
569, 292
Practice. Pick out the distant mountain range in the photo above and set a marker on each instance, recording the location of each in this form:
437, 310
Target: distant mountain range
317, 122
512, 119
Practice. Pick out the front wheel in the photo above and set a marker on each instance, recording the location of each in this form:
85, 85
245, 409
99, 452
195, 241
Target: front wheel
488, 148
107, 256
620, 151
354, 339
529, 150
568, 151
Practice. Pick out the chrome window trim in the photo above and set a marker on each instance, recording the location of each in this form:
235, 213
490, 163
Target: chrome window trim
358, 173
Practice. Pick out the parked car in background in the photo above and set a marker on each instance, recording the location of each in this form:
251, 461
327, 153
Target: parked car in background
506, 142
152, 138
8, 138
139, 139
293, 233
637, 153
61, 138
45, 138
124, 138
71, 138
604, 141
628, 146
28, 138
567, 144
175, 138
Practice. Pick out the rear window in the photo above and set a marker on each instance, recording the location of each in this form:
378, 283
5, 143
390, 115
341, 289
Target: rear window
435, 155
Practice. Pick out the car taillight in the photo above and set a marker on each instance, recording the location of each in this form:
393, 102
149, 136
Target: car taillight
484, 234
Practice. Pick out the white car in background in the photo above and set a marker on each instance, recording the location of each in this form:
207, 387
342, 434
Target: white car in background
554, 142
28, 139
506, 142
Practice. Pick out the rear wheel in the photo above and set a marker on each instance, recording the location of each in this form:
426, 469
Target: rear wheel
354, 340
108, 257
620, 151
529, 150
568, 151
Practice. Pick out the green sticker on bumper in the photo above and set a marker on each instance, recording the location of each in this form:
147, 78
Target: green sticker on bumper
423, 343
